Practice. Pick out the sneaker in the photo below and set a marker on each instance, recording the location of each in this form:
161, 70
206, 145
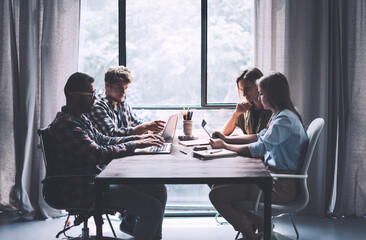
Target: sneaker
126, 229
128, 223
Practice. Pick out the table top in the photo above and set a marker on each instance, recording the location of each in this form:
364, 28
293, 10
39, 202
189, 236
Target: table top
179, 168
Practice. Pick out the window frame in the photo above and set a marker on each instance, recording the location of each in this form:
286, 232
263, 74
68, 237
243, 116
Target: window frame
122, 59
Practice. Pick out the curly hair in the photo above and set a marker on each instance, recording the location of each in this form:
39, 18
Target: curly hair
118, 74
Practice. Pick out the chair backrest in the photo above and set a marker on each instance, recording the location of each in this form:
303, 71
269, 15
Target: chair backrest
313, 133
49, 189
54, 184
302, 199
48, 149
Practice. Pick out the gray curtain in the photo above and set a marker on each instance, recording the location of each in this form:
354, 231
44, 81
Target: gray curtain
348, 109
318, 46
39, 51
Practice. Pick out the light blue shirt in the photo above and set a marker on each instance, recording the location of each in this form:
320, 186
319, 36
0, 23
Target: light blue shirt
283, 144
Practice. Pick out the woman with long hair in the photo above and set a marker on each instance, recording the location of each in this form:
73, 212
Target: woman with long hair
282, 146
249, 114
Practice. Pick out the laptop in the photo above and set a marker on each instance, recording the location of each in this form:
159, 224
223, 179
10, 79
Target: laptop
168, 135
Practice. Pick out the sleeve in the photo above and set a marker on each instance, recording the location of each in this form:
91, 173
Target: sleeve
98, 151
134, 120
278, 132
257, 149
104, 123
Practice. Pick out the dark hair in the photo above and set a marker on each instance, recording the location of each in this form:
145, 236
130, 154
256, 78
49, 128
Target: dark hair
118, 74
250, 74
277, 89
77, 83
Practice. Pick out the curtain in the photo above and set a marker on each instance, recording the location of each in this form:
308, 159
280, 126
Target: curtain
292, 37
348, 108
8, 70
318, 46
39, 51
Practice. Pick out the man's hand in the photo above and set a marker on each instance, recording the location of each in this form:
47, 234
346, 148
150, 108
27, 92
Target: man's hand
149, 136
242, 107
217, 143
217, 134
147, 142
155, 126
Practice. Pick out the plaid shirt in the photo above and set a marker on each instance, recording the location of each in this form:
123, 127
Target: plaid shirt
113, 122
82, 149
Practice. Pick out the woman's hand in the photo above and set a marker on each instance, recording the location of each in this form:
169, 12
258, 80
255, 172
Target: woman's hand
217, 143
243, 107
217, 134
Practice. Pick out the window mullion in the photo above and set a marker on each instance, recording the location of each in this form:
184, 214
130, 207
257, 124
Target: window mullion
122, 32
203, 53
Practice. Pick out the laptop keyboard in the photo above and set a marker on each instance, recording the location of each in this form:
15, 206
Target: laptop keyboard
158, 149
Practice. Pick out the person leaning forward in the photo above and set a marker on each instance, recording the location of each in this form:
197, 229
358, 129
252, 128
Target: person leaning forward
114, 117
82, 149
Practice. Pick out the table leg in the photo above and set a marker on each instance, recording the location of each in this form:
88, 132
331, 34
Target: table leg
98, 211
267, 188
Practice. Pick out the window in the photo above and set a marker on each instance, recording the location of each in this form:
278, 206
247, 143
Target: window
181, 53
230, 47
98, 44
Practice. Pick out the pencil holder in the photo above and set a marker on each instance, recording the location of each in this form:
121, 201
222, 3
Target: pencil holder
187, 127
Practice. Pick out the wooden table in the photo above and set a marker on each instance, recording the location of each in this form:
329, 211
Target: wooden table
178, 168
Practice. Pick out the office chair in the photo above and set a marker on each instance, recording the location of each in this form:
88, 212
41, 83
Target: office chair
302, 198
52, 196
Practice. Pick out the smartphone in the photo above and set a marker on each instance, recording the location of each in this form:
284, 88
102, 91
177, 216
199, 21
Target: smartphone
200, 148
203, 125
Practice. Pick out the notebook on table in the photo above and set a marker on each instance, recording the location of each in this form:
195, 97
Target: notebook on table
214, 153
168, 135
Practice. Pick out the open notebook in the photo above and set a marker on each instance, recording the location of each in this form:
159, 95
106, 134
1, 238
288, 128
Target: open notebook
168, 135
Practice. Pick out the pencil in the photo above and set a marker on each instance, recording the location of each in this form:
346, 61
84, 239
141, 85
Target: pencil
183, 152
217, 151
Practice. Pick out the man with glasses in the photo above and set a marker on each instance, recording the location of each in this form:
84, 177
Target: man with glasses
113, 116
82, 149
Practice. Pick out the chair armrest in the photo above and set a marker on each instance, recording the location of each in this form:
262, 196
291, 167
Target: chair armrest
274, 175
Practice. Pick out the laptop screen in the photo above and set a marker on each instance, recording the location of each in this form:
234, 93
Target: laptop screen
170, 126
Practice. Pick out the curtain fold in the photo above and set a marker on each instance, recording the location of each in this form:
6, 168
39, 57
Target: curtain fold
45, 43
319, 46
292, 37
8, 70
349, 69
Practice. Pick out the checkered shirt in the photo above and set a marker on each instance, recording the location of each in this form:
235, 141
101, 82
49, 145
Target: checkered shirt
81, 149
113, 122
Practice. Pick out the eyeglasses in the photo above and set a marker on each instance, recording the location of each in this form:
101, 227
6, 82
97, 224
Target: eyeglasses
84, 93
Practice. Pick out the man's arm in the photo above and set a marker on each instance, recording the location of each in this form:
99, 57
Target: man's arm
81, 142
101, 119
139, 127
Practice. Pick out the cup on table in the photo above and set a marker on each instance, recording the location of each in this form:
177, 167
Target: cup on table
187, 127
